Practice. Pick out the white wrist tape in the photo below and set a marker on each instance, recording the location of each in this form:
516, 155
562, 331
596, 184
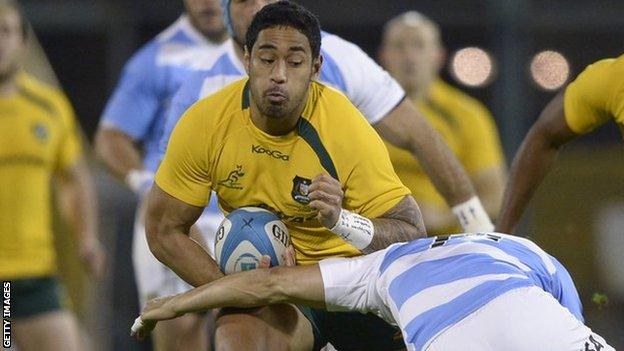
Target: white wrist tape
472, 216
354, 229
139, 180
137, 326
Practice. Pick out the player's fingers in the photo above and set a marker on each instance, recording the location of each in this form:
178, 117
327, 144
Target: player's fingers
324, 181
321, 177
289, 256
327, 214
326, 197
320, 206
265, 262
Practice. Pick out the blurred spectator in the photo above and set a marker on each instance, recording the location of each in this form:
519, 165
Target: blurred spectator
39, 144
411, 50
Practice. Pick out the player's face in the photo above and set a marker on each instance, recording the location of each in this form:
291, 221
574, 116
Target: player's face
242, 13
206, 17
11, 42
280, 68
411, 54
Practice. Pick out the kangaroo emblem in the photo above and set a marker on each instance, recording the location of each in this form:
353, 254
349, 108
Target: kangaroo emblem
232, 179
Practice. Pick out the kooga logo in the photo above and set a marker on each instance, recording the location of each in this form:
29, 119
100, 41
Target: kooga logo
257, 149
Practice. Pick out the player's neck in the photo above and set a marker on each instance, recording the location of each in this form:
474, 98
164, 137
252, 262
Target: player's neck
417, 93
8, 85
215, 37
239, 51
275, 126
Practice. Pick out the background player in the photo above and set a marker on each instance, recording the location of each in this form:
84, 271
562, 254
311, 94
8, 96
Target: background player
278, 140
368, 86
135, 115
412, 52
484, 291
39, 142
593, 99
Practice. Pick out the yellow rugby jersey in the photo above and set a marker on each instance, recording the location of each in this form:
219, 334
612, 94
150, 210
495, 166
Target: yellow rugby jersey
596, 96
37, 137
216, 146
469, 130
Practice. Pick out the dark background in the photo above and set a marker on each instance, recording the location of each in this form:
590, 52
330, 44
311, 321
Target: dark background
88, 41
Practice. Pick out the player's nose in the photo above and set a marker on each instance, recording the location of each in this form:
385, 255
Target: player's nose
278, 73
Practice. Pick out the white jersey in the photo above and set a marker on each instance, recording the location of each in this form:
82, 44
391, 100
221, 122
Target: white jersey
345, 66
428, 285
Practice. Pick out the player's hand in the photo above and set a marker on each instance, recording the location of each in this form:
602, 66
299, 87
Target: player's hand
265, 261
156, 310
140, 181
93, 257
326, 196
290, 258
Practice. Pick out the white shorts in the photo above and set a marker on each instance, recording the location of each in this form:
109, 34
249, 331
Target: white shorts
519, 320
153, 278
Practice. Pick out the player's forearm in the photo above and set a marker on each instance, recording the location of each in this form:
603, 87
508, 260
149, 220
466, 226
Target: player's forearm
255, 288
444, 170
79, 202
436, 217
530, 166
244, 289
402, 223
406, 128
490, 185
184, 256
117, 151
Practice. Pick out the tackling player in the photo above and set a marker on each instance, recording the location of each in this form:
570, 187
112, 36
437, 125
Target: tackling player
299, 148
134, 116
379, 97
412, 52
593, 99
39, 143
485, 291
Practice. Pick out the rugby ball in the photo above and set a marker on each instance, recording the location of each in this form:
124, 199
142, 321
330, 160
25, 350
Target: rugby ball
245, 235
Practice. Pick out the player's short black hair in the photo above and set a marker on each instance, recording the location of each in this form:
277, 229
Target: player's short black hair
13, 4
286, 14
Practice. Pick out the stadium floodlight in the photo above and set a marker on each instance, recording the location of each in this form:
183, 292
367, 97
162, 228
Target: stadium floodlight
550, 70
472, 66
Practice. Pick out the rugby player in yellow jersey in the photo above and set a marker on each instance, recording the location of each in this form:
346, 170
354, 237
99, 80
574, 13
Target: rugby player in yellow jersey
282, 141
411, 50
594, 98
38, 144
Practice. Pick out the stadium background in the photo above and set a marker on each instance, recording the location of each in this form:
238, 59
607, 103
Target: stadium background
576, 215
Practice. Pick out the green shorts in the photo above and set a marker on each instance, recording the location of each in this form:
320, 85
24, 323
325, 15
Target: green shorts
352, 331
34, 296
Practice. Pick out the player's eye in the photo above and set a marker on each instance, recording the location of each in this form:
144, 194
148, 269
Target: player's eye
267, 60
295, 63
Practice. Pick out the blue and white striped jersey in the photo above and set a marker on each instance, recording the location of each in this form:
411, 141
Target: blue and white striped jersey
150, 78
345, 67
427, 285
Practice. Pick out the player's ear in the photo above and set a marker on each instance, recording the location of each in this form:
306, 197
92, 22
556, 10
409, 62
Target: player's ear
247, 60
316, 66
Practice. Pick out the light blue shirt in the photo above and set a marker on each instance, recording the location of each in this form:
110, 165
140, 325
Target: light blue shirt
427, 285
150, 78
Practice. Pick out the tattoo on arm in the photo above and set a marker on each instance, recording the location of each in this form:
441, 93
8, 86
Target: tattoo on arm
401, 223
